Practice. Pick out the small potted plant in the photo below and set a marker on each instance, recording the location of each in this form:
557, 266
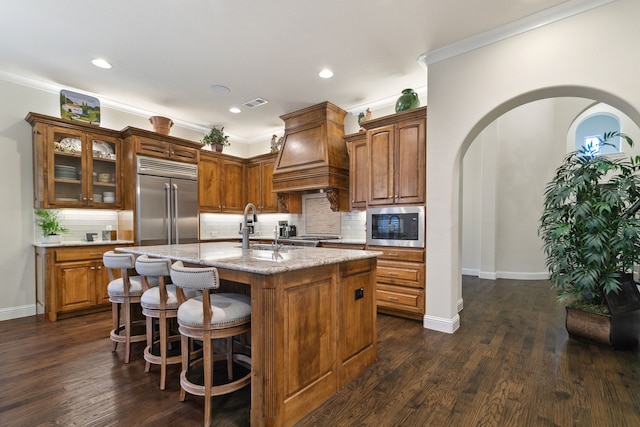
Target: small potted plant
48, 222
216, 138
591, 239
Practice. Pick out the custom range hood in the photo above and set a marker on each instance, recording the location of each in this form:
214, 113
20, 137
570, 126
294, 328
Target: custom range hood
314, 157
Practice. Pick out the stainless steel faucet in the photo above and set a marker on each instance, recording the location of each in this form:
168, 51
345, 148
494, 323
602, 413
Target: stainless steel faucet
245, 228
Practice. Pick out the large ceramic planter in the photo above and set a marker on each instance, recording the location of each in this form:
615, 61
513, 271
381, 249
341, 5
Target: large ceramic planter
619, 331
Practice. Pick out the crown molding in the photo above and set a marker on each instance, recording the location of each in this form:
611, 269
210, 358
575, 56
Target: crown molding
106, 102
548, 16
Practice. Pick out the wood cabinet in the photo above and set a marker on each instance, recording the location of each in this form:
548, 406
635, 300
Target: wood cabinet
260, 183
75, 165
353, 246
146, 143
166, 150
397, 158
71, 280
358, 170
400, 288
220, 184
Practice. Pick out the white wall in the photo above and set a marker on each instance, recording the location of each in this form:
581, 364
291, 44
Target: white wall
469, 91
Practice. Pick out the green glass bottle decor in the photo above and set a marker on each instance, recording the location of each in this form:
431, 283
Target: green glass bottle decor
407, 101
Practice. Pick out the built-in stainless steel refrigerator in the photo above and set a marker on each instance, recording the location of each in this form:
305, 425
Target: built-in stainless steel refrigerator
166, 202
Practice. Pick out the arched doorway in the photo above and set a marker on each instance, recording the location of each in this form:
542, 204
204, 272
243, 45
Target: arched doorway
503, 173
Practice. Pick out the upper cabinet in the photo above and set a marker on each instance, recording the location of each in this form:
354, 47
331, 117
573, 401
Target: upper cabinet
220, 184
147, 143
358, 169
396, 146
260, 185
75, 164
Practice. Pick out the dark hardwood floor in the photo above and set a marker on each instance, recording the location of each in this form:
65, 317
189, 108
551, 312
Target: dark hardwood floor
510, 364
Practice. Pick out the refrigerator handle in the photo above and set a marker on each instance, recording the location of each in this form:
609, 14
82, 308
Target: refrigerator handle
175, 213
167, 212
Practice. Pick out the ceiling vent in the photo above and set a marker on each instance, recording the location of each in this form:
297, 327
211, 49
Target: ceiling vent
255, 103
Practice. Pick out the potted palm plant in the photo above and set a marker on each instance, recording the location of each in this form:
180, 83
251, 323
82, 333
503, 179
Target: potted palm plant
50, 226
216, 138
591, 239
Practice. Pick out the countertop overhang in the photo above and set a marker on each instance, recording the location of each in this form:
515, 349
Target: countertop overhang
261, 261
81, 243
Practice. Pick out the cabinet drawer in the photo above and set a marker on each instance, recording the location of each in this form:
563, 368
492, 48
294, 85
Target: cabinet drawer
152, 147
397, 297
401, 273
399, 254
183, 154
82, 253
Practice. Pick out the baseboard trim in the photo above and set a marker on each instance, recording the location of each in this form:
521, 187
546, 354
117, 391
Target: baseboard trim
470, 272
514, 275
460, 305
17, 312
489, 275
441, 324
522, 276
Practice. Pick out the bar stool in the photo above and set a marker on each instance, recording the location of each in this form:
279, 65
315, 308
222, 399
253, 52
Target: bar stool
160, 302
123, 292
208, 317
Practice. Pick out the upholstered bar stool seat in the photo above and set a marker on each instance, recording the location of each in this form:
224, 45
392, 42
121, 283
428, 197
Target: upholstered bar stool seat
160, 302
206, 318
124, 292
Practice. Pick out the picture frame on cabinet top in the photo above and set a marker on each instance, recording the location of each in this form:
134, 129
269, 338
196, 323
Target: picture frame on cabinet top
76, 106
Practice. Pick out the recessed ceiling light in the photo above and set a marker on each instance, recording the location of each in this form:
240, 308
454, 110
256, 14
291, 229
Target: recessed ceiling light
220, 89
326, 73
101, 63
235, 110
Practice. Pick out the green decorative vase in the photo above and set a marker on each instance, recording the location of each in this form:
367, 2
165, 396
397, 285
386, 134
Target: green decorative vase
407, 101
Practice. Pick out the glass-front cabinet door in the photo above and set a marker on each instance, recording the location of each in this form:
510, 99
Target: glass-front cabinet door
103, 189
82, 169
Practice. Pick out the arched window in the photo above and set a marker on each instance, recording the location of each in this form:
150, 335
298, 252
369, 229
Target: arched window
595, 126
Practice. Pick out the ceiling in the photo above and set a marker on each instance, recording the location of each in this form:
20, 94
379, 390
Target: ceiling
166, 54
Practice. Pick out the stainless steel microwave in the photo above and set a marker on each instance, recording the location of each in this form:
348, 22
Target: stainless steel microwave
396, 226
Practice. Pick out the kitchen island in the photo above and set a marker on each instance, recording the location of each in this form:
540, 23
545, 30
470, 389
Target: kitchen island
313, 319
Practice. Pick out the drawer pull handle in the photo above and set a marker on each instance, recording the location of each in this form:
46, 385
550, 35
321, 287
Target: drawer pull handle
392, 273
393, 299
393, 254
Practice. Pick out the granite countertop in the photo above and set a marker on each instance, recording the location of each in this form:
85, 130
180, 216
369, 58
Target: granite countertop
229, 255
82, 243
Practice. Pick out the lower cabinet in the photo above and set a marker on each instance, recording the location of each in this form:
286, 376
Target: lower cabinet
71, 280
400, 288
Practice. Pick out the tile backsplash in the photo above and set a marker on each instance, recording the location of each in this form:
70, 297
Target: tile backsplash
317, 218
83, 221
